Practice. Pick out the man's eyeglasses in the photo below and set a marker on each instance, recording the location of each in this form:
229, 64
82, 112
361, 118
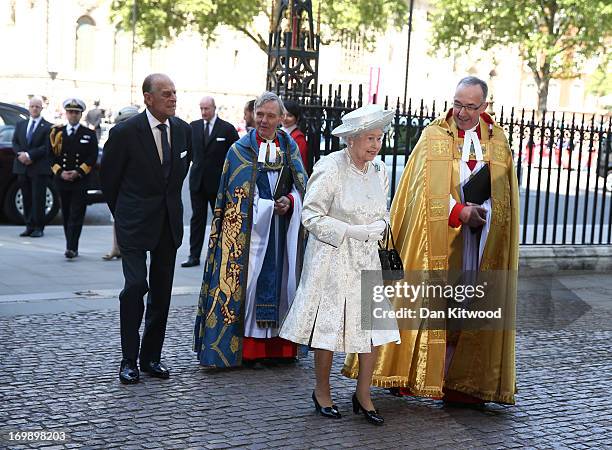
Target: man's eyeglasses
458, 106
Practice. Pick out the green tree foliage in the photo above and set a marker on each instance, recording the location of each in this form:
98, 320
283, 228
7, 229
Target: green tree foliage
160, 21
600, 82
554, 37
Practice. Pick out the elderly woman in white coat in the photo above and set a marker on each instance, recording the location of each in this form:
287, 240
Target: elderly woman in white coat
345, 212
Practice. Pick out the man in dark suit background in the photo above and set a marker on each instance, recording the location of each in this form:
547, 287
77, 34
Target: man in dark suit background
145, 161
32, 166
212, 137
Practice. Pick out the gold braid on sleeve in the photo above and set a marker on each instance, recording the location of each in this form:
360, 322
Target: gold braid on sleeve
56, 140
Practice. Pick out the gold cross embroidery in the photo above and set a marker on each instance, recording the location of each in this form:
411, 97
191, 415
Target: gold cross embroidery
437, 208
439, 148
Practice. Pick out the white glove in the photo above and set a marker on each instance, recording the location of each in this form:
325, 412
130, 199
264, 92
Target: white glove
379, 228
370, 232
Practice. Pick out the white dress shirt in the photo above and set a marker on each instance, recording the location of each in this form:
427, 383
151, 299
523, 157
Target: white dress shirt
36, 123
153, 122
71, 129
211, 124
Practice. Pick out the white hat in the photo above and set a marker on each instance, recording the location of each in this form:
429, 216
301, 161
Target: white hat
368, 117
125, 113
74, 104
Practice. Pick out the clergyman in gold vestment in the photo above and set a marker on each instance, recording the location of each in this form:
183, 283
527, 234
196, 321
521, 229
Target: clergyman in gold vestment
431, 225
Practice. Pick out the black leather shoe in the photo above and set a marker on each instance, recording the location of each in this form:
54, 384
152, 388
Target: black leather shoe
37, 233
371, 416
128, 372
191, 262
155, 369
331, 412
71, 254
26, 233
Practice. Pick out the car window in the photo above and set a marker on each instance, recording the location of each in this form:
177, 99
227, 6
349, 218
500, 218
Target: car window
6, 134
10, 117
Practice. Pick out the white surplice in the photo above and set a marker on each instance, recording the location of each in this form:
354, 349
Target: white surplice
263, 214
473, 247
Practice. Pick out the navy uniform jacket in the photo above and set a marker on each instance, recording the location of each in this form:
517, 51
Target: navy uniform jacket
133, 181
77, 152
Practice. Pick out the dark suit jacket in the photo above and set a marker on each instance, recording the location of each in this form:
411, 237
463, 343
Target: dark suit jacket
133, 182
208, 160
41, 164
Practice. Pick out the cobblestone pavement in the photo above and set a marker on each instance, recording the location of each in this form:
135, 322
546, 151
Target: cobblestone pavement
59, 373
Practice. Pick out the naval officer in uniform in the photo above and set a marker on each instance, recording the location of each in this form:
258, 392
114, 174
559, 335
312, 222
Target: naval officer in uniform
74, 152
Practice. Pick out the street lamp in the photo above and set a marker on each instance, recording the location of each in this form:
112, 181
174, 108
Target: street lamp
492, 75
134, 12
408, 51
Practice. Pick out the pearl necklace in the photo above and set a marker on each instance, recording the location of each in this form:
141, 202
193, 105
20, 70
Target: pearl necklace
365, 166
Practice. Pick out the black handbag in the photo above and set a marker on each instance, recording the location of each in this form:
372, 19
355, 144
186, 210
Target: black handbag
390, 261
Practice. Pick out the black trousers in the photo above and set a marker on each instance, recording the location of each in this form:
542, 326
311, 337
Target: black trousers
159, 288
33, 192
74, 204
197, 226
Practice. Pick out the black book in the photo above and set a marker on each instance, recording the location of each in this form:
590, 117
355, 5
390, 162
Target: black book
284, 184
477, 190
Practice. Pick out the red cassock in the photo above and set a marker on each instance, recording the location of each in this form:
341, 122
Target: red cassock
256, 348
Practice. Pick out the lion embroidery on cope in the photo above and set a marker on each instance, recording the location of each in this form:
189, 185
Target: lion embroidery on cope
231, 249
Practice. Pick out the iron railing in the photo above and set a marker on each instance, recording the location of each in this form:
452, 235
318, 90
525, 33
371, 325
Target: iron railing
563, 160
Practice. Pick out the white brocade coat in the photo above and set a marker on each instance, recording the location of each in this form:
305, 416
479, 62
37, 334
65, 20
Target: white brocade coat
326, 311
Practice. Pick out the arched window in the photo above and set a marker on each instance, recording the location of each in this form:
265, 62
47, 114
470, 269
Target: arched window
85, 44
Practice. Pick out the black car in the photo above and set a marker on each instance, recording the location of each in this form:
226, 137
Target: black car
11, 201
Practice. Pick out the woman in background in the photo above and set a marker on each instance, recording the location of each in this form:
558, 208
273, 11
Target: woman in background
290, 126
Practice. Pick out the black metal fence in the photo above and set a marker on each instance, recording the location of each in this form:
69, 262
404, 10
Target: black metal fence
563, 160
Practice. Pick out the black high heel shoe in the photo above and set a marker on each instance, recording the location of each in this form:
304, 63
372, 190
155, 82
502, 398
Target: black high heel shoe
331, 412
371, 416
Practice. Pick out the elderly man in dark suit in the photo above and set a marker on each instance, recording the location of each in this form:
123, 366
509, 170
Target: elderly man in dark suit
145, 161
32, 166
212, 137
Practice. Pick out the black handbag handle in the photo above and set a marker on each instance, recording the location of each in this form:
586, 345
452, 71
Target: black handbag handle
388, 235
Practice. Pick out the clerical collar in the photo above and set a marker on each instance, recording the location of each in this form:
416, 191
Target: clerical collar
269, 152
261, 139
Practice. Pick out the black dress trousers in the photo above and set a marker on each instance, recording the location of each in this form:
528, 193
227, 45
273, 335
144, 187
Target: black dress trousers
159, 289
73, 197
197, 226
33, 193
